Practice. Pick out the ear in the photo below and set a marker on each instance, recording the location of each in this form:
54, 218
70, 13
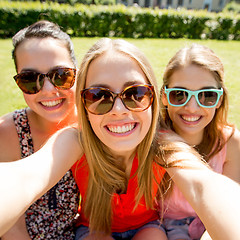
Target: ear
164, 97
219, 102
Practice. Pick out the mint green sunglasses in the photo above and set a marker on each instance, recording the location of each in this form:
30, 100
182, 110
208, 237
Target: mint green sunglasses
207, 98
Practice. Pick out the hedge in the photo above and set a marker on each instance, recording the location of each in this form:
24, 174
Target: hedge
120, 21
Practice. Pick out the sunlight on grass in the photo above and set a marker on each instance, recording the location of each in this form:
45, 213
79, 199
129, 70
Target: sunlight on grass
158, 51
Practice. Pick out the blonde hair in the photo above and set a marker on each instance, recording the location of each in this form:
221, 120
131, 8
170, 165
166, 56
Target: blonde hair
205, 58
106, 176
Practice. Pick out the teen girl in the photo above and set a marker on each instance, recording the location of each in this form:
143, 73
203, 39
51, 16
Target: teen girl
118, 154
194, 104
119, 170
46, 69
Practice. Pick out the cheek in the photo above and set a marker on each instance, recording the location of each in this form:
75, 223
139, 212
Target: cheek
73, 88
147, 120
71, 94
29, 98
211, 114
171, 111
95, 122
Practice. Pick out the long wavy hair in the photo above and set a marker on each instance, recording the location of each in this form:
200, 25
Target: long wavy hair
106, 176
201, 56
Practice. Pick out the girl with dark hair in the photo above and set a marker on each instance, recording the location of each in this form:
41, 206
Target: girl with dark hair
46, 68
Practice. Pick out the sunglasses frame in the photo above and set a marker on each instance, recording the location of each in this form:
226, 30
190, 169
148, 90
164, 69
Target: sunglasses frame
195, 94
115, 95
42, 76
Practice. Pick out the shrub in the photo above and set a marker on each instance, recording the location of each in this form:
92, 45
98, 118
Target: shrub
120, 21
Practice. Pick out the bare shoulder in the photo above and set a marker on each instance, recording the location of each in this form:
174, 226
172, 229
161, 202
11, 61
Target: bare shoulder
9, 143
233, 147
234, 140
68, 133
231, 166
66, 141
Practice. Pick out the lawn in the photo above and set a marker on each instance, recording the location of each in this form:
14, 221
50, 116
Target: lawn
158, 51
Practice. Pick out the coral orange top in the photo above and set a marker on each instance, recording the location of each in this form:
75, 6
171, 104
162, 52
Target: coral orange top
124, 217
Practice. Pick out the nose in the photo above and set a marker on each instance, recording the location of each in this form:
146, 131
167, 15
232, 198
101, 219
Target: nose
118, 107
48, 86
192, 105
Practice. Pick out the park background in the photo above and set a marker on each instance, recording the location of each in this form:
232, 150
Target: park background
158, 50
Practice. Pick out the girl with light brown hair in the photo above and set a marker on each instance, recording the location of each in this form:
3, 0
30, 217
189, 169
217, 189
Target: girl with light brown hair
194, 104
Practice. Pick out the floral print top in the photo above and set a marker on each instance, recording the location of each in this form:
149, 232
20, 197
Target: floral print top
53, 215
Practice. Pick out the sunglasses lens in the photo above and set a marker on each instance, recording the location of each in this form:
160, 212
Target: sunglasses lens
178, 97
100, 101
27, 82
137, 98
208, 98
32, 82
62, 78
97, 100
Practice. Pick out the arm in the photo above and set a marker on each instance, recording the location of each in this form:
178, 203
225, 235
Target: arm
231, 167
44, 168
10, 151
9, 142
214, 197
18, 231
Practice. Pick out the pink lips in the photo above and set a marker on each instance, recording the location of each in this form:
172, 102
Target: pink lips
190, 119
52, 105
123, 129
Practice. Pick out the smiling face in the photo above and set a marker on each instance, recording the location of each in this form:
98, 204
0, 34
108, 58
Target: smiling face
190, 120
43, 55
120, 129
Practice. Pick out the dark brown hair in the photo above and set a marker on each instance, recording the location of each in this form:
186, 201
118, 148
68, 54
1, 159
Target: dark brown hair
43, 29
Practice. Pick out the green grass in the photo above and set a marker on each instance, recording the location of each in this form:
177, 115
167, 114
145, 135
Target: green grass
158, 51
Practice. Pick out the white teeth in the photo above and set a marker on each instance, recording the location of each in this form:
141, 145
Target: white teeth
51, 103
121, 129
190, 119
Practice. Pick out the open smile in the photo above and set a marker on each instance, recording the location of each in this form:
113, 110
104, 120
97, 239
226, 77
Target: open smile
121, 128
191, 118
52, 103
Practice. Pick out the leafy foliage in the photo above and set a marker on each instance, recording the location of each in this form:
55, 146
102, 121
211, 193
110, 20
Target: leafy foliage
120, 21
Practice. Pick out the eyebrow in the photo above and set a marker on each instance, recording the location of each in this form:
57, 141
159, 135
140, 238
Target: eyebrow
35, 70
28, 70
208, 87
126, 84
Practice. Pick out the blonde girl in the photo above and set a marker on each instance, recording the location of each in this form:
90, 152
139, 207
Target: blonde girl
118, 115
194, 104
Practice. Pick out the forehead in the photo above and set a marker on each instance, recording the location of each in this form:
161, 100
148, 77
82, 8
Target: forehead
115, 71
32, 44
192, 77
42, 54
